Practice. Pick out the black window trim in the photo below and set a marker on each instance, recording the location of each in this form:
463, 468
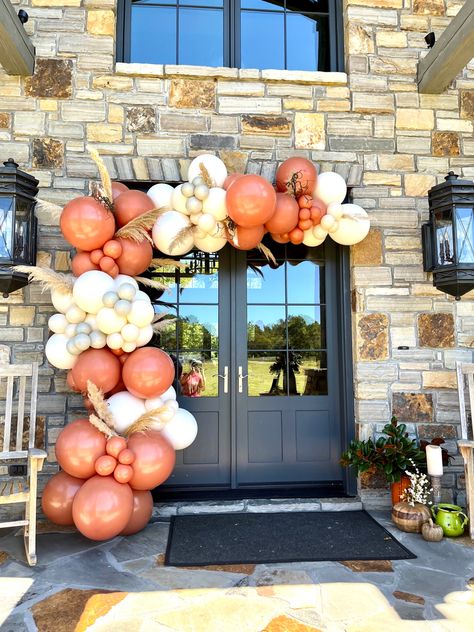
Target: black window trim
232, 37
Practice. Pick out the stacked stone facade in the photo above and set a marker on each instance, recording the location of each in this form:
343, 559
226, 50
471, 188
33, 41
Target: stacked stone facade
370, 124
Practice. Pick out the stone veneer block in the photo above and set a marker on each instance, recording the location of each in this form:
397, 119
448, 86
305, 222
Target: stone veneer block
370, 102
383, 4
415, 119
266, 125
429, 7
52, 79
196, 94
446, 144
5, 120
467, 104
309, 131
373, 337
439, 379
418, 185
431, 431
413, 407
436, 330
243, 105
101, 22
141, 120
361, 40
235, 161
368, 252
306, 76
139, 70
48, 153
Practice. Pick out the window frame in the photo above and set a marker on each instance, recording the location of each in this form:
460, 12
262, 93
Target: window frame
232, 35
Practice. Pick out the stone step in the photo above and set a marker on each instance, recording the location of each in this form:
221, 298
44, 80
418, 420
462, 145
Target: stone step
251, 505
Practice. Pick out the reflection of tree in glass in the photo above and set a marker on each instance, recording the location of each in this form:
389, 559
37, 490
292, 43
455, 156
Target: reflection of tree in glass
303, 334
289, 377
196, 335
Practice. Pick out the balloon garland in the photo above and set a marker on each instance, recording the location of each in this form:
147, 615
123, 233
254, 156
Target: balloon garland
104, 322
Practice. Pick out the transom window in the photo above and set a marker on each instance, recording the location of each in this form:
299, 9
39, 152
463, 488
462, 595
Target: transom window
273, 34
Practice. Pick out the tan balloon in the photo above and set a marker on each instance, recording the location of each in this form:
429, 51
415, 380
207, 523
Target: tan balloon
329, 224
109, 322
166, 229
207, 222
210, 244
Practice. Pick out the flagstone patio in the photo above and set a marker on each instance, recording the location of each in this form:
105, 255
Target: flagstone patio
123, 585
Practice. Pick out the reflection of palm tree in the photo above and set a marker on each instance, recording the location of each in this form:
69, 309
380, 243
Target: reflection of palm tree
280, 364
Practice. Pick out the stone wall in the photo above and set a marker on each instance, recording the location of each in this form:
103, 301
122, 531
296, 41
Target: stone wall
370, 125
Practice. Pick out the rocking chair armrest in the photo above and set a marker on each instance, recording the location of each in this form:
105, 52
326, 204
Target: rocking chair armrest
37, 455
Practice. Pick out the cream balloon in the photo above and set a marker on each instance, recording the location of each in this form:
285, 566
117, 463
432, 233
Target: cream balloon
57, 353
125, 409
319, 232
141, 314
142, 296
109, 322
128, 347
75, 314
120, 279
89, 289
115, 341
145, 335
210, 244
330, 187
165, 231
179, 201
91, 320
154, 404
172, 404
58, 323
130, 332
215, 168
62, 301
215, 203
181, 430
70, 330
335, 210
354, 226
207, 222
310, 240
329, 224
161, 194
170, 393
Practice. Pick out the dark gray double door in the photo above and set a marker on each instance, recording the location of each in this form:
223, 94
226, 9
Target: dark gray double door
266, 339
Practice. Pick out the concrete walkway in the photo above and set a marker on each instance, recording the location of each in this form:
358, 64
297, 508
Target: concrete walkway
122, 585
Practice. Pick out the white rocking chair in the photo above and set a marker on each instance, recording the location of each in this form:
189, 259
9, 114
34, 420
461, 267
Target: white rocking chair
466, 446
21, 489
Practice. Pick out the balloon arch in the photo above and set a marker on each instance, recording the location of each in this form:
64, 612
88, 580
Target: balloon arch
126, 447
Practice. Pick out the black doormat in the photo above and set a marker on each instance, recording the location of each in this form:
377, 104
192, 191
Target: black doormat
265, 538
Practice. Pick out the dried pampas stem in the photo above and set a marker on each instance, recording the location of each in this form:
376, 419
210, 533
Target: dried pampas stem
96, 397
49, 279
148, 421
103, 172
205, 175
99, 424
137, 229
157, 263
54, 210
156, 285
181, 236
267, 252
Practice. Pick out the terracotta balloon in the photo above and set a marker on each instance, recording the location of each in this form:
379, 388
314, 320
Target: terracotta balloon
247, 238
105, 465
86, 223
251, 201
102, 508
120, 385
71, 383
231, 178
148, 372
88, 405
112, 248
123, 473
82, 263
100, 366
78, 447
279, 238
141, 514
285, 216
118, 188
154, 459
116, 445
58, 496
296, 176
135, 257
126, 457
131, 204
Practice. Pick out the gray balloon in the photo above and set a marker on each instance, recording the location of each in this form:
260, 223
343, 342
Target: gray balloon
187, 189
201, 192
83, 328
122, 307
193, 205
110, 298
71, 347
98, 340
82, 342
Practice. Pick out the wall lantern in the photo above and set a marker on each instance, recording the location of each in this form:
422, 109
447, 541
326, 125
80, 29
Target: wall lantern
448, 238
17, 225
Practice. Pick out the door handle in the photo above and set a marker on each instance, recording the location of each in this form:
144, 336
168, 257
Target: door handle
225, 377
241, 380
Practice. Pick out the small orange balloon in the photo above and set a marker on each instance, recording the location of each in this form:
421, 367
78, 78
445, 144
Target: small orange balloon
82, 263
305, 213
118, 188
142, 511
96, 255
296, 236
105, 465
78, 447
305, 201
304, 224
106, 264
114, 272
115, 445
154, 459
279, 239
123, 473
148, 372
58, 496
135, 258
112, 248
126, 457
131, 204
86, 223
100, 366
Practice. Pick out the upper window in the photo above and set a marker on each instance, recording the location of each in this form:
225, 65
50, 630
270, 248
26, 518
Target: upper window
276, 34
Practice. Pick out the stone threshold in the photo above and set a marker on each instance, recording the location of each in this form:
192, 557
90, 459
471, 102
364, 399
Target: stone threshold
252, 505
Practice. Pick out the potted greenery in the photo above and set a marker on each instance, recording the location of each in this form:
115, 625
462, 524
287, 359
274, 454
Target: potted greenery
390, 454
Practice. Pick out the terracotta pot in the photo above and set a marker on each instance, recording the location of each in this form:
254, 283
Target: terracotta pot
410, 518
399, 487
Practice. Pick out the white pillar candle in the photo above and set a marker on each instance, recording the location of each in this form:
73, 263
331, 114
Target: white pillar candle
434, 460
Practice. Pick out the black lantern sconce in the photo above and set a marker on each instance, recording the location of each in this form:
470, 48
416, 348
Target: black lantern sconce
448, 238
18, 225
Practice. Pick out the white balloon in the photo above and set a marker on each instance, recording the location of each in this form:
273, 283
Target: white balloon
215, 203
335, 210
319, 232
128, 347
330, 187
89, 289
70, 330
58, 323
310, 240
141, 314
166, 414
161, 195
125, 409
91, 320
179, 201
165, 231
215, 167
120, 279
168, 394
115, 341
142, 296
61, 301
207, 222
154, 403
145, 335
57, 353
181, 430
127, 291
130, 332
75, 314
172, 404
109, 322
329, 224
209, 243
354, 226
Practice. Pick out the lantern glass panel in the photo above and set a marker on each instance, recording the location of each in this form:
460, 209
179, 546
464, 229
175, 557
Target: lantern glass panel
6, 217
444, 238
22, 228
465, 234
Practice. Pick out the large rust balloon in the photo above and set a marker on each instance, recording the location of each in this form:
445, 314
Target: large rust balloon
135, 257
58, 496
247, 238
131, 204
70, 382
251, 201
154, 459
86, 223
141, 514
148, 372
78, 447
285, 216
100, 366
118, 188
102, 508
296, 176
